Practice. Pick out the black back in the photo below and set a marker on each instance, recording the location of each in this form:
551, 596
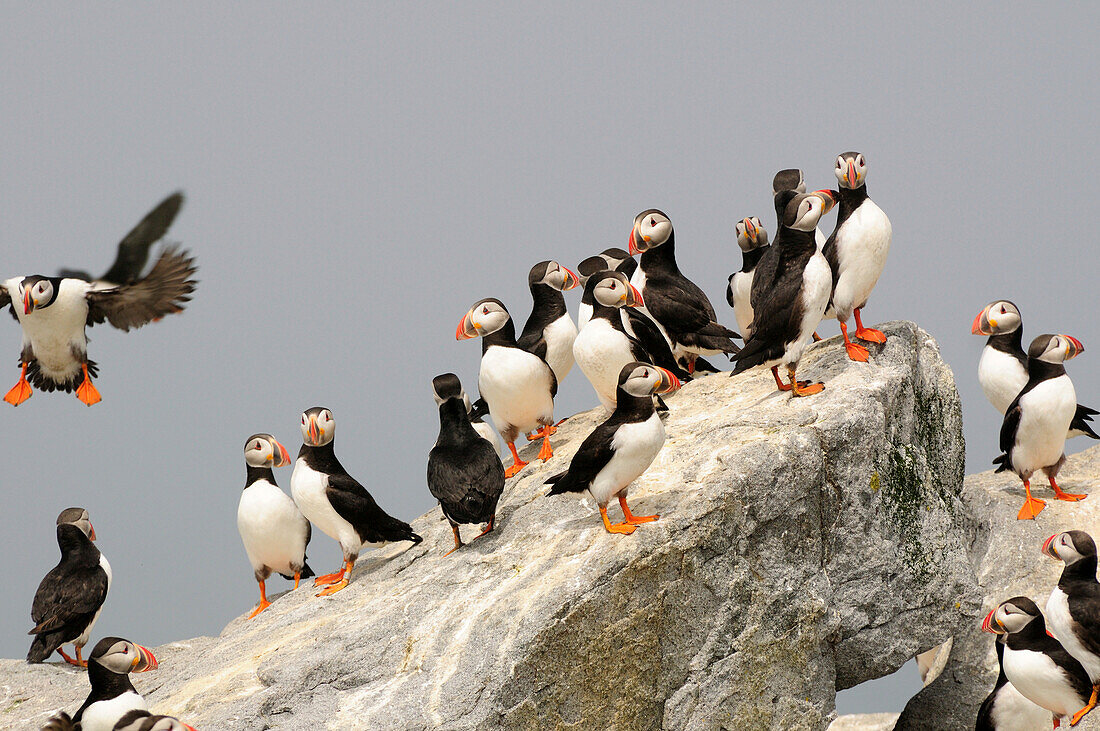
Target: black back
548, 304
1034, 637
465, 473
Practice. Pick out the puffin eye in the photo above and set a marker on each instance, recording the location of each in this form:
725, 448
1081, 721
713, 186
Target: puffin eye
653, 222
1003, 310
612, 285
485, 310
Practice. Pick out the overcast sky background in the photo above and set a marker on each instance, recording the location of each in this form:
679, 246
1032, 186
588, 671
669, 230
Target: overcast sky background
358, 177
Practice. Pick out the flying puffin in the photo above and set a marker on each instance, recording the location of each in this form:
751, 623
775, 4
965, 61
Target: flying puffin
675, 303
70, 597
789, 306
620, 449
1037, 664
54, 312
1073, 609
753, 240
518, 385
856, 251
549, 330
1004, 709
133, 250
274, 532
464, 472
113, 696
1033, 435
1002, 370
613, 259
332, 500
145, 721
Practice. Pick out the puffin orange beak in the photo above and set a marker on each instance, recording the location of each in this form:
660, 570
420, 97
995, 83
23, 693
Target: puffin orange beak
1075, 348
313, 431
669, 382
827, 197
750, 229
144, 661
631, 246
850, 176
91, 532
27, 301
981, 324
571, 279
284, 456
989, 626
634, 298
1048, 549
466, 328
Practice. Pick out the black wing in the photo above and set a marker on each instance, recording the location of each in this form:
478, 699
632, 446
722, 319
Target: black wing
63, 597
649, 345
774, 323
163, 291
355, 505
1081, 421
687, 315
764, 276
133, 250
467, 481
592, 456
5, 299
1083, 603
1009, 427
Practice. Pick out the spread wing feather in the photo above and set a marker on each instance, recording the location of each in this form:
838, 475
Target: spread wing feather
163, 291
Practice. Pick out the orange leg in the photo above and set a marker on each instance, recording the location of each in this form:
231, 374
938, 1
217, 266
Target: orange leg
488, 528
297, 578
1091, 704
21, 391
855, 350
804, 388
86, 392
79, 659
345, 576
866, 333
635, 519
1032, 506
517, 463
778, 382
541, 432
264, 603
458, 542
624, 528
78, 662
547, 451
329, 578
1059, 495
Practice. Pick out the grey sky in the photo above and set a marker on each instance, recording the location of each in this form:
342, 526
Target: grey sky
358, 176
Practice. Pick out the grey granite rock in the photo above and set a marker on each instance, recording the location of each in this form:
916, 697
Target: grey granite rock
804, 546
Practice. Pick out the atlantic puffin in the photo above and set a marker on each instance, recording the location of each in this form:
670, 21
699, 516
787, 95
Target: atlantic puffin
684, 314
518, 385
274, 531
1033, 434
333, 501
789, 305
113, 695
70, 597
484, 430
753, 241
145, 721
609, 259
793, 179
54, 312
1004, 709
1037, 664
856, 251
1002, 370
133, 250
620, 449
464, 472
1073, 609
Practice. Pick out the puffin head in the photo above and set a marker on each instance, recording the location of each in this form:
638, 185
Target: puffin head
651, 229
553, 275
851, 170
750, 234
805, 209
645, 379
1011, 616
997, 318
318, 426
38, 292
613, 289
264, 450
608, 259
122, 656
789, 179
1055, 348
79, 518
160, 723
484, 318
1070, 546
446, 387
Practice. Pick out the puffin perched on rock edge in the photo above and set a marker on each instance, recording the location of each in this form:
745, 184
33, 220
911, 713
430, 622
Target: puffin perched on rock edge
1073, 609
113, 695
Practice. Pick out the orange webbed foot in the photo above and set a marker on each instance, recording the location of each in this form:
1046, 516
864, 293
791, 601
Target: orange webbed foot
488, 528
547, 451
86, 392
338, 586
809, 390
1031, 509
621, 528
1068, 496
1088, 707
21, 391
514, 469
857, 352
870, 335
264, 604
328, 579
635, 519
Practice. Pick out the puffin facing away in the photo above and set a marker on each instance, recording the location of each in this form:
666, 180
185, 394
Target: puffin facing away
1002, 370
549, 330
518, 385
464, 471
333, 501
620, 449
856, 250
1004, 709
675, 303
274, 531
1073, 609
1033, 434
54, 312
753, 241
70, 597
113, 696
1037, 664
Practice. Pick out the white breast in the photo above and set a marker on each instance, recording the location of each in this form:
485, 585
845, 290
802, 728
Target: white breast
635, 447
103, 715
584, 314
1045, 415
601, 352
817, 279
83, 638
516, 385
1061, 624
308, 488
862, 242
559, 345
1041, 681
486, 432
1013, 712
56, 332
272, 528
742, 307
1002, 377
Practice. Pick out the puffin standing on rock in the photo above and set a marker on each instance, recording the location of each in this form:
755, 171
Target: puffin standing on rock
113, 695
620, 449
549, 331
518, 385
684, 314
274, 531
1037, 664
464, 471
332, 500
1002, 370
70, 597
1005, 709
1033, 434
753, 241
1073, 609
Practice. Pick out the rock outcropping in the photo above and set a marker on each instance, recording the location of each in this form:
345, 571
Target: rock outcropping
804, 546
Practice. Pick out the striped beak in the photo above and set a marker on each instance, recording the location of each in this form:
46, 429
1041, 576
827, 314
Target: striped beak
992, 625
466, 329
981, 324
827, 197
631, 246
571, 279
27, 301
1048, 548
144, 661
669, 382
850, 177
750, 229
633, 297
315, 432
283, 456
91, 532
1074, 347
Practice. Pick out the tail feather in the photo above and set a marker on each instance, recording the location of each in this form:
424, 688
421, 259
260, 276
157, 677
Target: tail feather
305, 573
563, 483
1004, 462
755, 353
41, 648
